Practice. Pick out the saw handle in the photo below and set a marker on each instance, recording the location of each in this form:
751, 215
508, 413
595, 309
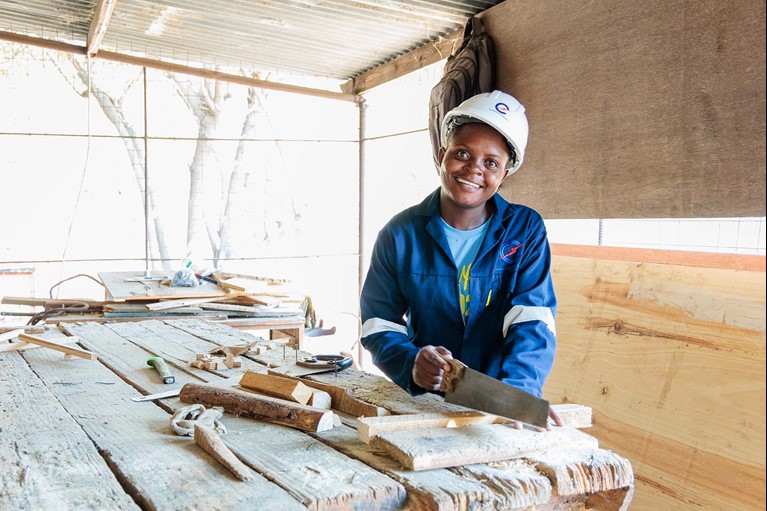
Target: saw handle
452, 377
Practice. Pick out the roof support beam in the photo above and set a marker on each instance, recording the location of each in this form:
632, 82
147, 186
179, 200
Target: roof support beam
99, 25
422, 56
178, 68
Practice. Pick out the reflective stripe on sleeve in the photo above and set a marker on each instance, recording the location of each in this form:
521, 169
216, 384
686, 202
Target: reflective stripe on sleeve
376, 325
521, 314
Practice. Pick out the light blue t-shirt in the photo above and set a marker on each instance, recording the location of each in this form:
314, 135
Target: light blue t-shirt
464, 246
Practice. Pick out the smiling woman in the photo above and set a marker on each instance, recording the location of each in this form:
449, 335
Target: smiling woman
501, 320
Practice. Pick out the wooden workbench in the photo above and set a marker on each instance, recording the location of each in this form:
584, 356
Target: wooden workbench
72, 438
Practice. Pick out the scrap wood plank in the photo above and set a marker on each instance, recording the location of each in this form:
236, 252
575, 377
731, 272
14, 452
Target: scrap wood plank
234, 307
476, 443
368, 428
270, 280
241, 284
216, 333
254, 311
119, 290
342, 399
24, 345
178, 345
124, 307
164, 344
159, 469
56, 345
47, 461
573, 415
207, 338
100, 318
183, 302
49, 303
445, 490
277, 386
515, 484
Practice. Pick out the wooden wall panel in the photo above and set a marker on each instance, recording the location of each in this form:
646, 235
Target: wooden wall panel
672, 360
647, 109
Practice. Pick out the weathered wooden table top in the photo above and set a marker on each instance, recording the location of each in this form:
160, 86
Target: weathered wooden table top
72, 438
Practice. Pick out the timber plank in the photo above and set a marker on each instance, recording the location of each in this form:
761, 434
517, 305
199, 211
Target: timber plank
277, 386
317, 475
46, 460
320, 477
446, 490
57, 345
368, 428
160, 470
475, 443
341, 399
125, 358
219, 334
174, 354
178, 346
120, 290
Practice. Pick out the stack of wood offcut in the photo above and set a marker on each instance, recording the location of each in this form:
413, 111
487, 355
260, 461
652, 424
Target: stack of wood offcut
131, 296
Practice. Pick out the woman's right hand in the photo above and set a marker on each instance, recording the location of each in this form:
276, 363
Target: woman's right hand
430, 365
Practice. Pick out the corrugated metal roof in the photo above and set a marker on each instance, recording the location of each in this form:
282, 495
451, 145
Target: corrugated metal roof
338, 39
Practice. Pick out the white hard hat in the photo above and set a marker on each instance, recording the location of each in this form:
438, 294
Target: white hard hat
499, 110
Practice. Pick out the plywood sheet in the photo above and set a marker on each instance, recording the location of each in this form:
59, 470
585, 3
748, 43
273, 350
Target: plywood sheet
118, 289
646, 109
671, 358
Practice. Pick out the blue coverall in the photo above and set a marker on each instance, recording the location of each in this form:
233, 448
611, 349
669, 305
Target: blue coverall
410, 298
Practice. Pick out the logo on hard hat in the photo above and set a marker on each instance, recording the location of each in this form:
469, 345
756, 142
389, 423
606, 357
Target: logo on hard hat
502, 108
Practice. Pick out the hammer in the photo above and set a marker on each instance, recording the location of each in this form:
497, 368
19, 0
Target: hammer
162, 368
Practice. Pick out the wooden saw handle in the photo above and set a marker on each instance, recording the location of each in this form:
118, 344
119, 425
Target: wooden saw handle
450, 378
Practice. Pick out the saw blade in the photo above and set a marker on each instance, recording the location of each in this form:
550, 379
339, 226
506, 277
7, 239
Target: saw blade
481, 392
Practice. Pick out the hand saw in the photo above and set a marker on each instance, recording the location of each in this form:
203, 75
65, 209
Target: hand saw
466, 387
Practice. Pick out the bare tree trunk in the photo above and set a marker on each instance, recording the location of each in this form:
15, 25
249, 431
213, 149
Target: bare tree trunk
135, 148
237, 199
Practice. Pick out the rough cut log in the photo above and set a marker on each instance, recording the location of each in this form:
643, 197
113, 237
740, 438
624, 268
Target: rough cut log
342, 400
478, 443
268, 409
277, 386
368, 428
